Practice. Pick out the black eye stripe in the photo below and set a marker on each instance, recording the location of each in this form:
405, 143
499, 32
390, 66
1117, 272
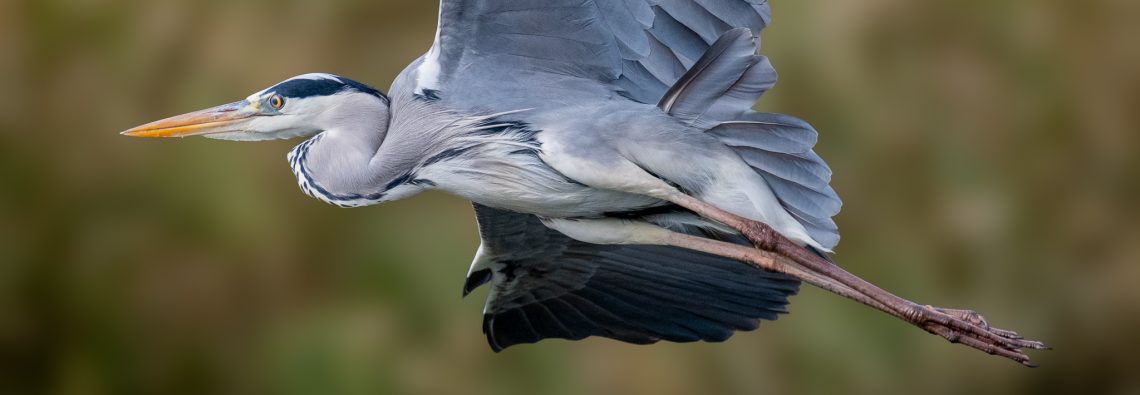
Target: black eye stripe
302, 87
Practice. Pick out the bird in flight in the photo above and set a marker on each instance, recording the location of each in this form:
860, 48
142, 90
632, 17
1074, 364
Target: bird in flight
623, 185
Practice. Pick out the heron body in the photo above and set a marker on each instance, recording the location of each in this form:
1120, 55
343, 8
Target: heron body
618, 171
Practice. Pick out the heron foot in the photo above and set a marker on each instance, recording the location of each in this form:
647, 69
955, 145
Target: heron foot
971, 329
957, 326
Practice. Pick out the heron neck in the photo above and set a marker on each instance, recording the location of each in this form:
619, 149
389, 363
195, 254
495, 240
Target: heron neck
342, 165
368, 161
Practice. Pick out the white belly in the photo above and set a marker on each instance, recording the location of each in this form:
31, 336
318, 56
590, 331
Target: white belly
523, 183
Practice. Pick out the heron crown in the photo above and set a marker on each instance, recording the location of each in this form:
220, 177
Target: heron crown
320, 84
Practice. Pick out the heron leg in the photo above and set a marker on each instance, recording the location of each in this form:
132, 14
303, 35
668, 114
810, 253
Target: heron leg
957, 326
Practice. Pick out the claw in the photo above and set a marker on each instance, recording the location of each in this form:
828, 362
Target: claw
1006, 334
971, 329
775, 252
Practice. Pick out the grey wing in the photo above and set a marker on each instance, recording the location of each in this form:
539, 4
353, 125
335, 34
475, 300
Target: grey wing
504, 55
546, 285
514, 50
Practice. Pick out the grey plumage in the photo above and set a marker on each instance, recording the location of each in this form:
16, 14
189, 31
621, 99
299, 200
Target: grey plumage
779, 147
679, 34
691, 62
712, 76
620, 177
568, 123
501, 45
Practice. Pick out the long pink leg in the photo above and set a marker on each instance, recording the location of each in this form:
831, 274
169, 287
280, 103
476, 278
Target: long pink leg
777, 253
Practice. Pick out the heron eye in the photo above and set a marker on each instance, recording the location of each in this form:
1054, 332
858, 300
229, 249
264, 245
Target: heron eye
277, 102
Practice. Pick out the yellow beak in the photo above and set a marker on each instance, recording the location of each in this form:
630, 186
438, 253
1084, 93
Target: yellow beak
223, 118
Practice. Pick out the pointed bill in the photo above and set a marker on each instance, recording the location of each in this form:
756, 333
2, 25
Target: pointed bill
224, 118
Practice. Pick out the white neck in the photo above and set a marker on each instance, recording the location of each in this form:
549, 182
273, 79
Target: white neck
362, 159
342, 165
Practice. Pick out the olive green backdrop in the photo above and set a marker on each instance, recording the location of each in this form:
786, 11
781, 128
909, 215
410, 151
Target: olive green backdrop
986, 152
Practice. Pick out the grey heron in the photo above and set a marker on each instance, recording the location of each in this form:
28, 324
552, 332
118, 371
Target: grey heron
623, 185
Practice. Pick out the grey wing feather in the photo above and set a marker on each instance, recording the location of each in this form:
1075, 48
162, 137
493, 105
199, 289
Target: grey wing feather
505, 55
779, 148
635, 48
546, 285
783, 133
722, 84
717, 94
502, 55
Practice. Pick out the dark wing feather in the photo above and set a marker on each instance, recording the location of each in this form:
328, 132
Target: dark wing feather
546, 285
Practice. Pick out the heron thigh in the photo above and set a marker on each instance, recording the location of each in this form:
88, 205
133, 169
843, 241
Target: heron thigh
690, 163
603, 168
721, 178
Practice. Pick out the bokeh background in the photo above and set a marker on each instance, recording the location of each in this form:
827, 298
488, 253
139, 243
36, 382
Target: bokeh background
986, 152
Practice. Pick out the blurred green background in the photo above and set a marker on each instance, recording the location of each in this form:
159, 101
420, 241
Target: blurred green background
986, 152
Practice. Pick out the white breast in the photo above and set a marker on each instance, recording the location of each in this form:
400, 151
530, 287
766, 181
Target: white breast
505, 177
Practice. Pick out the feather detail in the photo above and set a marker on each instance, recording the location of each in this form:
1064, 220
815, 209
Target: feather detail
721, 65
723, 84
547, 285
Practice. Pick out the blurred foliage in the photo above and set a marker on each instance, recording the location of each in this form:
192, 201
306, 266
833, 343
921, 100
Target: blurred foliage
986, 152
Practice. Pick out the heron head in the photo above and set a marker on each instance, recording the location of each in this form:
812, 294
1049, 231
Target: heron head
297, 107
